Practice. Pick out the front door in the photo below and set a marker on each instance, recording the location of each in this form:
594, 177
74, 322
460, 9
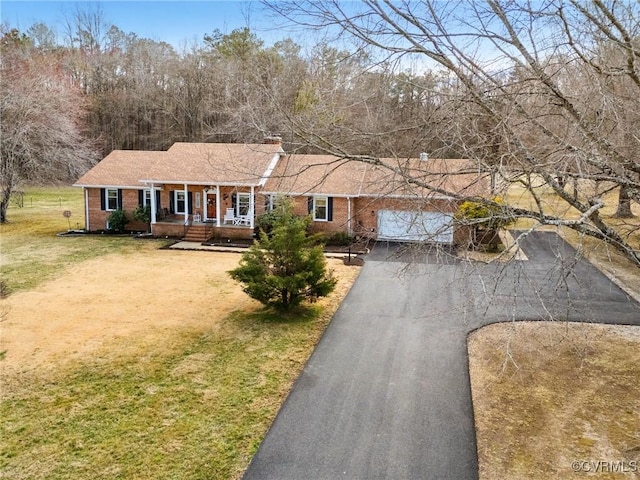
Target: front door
211, 206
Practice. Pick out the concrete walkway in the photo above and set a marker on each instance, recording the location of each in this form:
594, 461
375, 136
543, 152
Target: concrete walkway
386, 393
182, 245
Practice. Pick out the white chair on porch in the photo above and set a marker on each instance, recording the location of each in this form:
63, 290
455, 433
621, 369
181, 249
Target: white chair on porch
243, 220
229, 216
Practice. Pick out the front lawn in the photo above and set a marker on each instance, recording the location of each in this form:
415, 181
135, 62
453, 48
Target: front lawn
30, 252
556, 400
196, 407
121, 360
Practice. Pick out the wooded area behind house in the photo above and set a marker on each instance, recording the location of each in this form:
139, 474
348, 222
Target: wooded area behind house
551, 94
142, 94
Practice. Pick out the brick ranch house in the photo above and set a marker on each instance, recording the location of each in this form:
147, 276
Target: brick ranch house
199, 191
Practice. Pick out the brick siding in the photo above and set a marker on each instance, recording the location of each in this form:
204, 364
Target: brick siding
364, 213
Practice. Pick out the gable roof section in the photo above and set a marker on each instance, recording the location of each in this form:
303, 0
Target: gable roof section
192, 163
328, 175
218, 163
433, 178
121, 168
316, 174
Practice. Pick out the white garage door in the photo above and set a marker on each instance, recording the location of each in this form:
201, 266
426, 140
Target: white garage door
406, 226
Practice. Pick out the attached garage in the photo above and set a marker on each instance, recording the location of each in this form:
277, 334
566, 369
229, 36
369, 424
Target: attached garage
415, 226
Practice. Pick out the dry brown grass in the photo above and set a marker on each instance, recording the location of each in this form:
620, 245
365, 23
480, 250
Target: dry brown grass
143, 363
549, 394
128, 305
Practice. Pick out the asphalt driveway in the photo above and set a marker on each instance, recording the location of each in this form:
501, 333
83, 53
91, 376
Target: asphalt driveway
386, 393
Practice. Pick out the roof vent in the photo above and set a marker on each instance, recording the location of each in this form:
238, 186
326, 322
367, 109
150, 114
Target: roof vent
424, 156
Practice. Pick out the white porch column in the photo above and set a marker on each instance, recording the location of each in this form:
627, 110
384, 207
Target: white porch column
186, 204
154, 207
217, 205
252, 207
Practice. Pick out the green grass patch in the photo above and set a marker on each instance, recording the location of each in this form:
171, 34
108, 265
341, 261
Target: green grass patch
30, 251
197, 409
194, 405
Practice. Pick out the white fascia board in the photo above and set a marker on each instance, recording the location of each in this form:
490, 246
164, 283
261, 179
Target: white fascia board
129, 187
270, 168
309, 194
212, 182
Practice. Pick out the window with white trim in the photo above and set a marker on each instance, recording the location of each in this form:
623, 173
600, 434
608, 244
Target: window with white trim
320, 209
146, 198
111, 199
243, 204
269, 202
272, 200
180, 201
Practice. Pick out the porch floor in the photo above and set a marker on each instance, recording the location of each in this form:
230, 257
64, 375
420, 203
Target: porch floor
179, 220
174, 227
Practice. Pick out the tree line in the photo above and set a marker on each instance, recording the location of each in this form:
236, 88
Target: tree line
138, 93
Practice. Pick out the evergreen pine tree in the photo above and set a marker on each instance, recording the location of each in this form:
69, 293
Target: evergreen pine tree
286, 266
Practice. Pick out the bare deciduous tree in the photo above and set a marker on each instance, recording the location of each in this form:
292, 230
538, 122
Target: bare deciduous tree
40, 139
539, 91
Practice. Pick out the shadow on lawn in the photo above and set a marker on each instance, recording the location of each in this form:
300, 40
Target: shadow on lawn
267, 315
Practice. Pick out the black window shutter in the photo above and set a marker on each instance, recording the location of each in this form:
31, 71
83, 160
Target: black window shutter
310, 204
330, 209
172, 208
234, 200
140, 197
120, 199
157, 200
103, 200
190, 198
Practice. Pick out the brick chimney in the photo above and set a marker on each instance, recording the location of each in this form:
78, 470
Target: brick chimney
272, 140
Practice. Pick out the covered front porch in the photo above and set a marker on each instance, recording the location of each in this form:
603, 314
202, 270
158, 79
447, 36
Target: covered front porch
198, 230
201, 212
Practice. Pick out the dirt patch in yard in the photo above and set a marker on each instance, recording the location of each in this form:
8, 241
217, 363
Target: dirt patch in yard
556, 400
134, 300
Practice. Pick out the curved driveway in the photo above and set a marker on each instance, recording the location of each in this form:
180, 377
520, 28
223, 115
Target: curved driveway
386, 393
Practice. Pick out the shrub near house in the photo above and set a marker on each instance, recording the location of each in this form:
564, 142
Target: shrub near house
117, 221
486, 219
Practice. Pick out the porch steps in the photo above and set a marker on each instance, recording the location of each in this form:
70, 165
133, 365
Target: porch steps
197, 233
